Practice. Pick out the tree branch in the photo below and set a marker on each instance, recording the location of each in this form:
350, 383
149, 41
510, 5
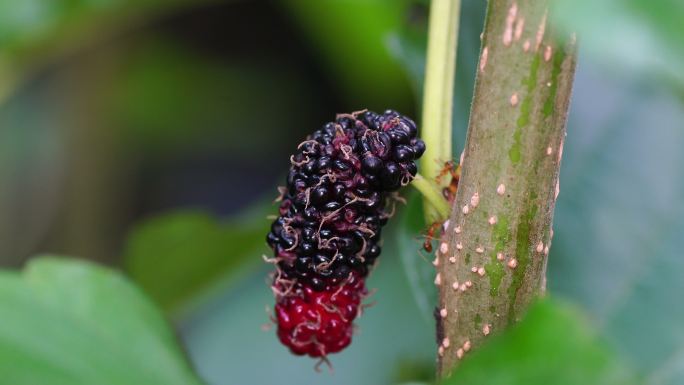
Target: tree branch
492, 258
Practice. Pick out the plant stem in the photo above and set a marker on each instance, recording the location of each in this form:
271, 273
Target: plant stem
496, 259
432, 195
440, 68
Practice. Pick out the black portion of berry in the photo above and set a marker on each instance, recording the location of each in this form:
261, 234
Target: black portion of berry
336, 196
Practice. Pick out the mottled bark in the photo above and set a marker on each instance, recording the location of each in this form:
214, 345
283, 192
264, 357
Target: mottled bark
492, 258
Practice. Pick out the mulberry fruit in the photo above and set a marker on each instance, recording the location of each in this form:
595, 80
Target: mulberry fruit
327, 234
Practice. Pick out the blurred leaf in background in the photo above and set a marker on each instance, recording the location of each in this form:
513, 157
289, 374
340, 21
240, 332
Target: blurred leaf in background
171, 100
553, 344
618, 220
351, 37
31, 155
420, 273
180, 254
170, 114
66, 322
630, 37
33, 33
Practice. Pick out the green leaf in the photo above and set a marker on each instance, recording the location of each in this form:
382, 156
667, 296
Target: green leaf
551, 345
416, 261
629, 36
355, 54
30, 23
408, 47
68, 322
34, 32
175, 256
161, 66
619, 220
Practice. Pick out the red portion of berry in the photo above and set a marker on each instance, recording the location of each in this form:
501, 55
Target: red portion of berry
318, 323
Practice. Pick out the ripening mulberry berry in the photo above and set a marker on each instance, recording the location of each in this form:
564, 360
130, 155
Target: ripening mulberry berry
319, 322
327, 234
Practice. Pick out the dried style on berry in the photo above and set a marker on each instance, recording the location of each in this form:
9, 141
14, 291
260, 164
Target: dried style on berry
327, 235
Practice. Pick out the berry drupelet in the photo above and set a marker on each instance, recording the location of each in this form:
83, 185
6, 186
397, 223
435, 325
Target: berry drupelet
319, 322
327, 234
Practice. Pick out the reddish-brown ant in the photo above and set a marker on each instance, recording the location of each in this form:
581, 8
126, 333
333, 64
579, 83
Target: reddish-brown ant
446, 170
452, 169
427, 245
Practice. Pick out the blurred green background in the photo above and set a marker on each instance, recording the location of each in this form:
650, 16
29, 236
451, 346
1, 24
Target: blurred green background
149, 136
